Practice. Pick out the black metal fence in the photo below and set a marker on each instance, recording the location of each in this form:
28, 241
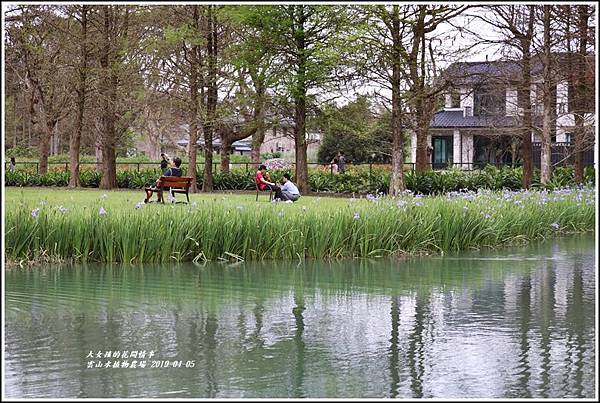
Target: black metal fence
563, 154
143, 166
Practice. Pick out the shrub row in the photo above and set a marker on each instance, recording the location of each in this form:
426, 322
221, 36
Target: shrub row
88, 179
362, 181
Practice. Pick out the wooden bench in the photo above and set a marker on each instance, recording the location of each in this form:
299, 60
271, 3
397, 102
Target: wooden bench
175, 184
258, 191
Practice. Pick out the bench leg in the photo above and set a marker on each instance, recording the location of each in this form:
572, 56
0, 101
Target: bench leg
256, 194
187, 197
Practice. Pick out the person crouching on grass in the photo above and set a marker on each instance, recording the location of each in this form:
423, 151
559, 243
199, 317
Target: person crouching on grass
175, 170
288, 192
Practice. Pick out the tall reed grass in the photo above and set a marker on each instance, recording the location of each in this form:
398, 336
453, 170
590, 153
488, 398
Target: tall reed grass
218, 228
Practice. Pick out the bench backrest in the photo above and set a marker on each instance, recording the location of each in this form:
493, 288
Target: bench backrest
179, 182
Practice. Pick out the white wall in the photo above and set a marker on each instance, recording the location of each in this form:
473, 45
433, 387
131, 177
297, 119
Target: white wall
561, 135
511, 101
448, 100
413, 147
467, 150
456, 146
466, 97
562, 96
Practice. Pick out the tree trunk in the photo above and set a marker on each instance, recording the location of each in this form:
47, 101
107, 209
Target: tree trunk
527, 128
109, 168
207, 183
44, 146
192, 148
580, 93
397, 178
423, 161
300, 106
546, 147
423, 106
526, 146
75, 139
525, 100
211, 44
98, 153
258, 137
301, 164
109, 85
257, 140
225, 151
300, 143
579, 146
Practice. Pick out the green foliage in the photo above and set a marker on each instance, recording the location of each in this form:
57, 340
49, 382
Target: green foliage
353, 130
22, 151
360, 181
357, 131
90, 179
219, 227
235, 179
274, 154
355, 180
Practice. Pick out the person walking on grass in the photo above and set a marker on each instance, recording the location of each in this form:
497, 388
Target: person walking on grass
175, 170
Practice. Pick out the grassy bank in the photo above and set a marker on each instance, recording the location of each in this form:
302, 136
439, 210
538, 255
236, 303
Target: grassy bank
91, 225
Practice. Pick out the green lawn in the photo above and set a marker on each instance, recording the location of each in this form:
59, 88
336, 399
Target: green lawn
127, 199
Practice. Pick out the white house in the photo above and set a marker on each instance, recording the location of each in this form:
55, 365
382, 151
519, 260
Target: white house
480, 121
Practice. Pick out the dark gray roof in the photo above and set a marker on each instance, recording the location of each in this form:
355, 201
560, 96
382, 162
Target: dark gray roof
471, 73
502, 71
451, 119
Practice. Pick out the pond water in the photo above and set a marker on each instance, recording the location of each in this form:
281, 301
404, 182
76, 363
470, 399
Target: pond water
517, 322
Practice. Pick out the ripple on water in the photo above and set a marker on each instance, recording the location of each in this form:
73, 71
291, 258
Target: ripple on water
485, 326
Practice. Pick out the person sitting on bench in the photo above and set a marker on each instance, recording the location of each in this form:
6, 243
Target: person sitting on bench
262, 179
175, 170
288, 192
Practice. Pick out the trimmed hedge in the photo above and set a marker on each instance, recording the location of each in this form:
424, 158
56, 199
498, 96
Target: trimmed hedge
362, 181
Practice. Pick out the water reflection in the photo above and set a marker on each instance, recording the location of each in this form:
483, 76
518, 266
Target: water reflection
516, 323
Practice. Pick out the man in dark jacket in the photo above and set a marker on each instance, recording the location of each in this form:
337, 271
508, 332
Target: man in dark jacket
175, 170
164, 163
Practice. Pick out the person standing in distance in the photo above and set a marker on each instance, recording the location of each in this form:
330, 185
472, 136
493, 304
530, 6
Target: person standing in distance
341, 161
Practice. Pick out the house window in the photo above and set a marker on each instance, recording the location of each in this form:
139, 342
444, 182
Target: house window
455, 98
569, 138
562, 107
489, 101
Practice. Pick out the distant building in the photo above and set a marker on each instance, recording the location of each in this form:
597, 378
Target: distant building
242, 147
277, 138
280, 138
481, 117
